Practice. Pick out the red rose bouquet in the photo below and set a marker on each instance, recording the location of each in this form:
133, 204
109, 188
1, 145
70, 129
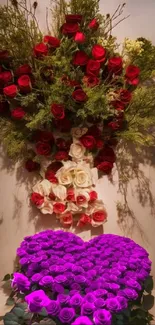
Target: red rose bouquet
70, 98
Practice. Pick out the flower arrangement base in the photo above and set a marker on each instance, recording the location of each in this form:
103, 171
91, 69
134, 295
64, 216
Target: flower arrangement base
65, 280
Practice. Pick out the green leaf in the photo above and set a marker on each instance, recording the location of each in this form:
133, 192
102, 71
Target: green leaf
7, 277
148, 302
18, 311
10, 317
148, 285
43, 312
10, 301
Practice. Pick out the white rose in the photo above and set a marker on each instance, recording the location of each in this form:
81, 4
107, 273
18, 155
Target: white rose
77, 151
72, 207
64, 176
78, 132
59, 191
83, 177
43, 188
47, 207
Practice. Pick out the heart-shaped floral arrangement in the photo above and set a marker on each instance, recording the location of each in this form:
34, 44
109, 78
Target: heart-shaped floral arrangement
77, 282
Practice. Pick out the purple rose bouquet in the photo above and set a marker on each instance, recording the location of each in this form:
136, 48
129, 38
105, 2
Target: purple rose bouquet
80, 283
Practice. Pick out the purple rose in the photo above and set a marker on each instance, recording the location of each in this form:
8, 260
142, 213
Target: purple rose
61, 279
76, 301
129, 293
80, 279
113, 305
133, 284
36, 277
63, 299
99, 303
102, 317
53, 308
37, 300
46, 281
90, 297
20, 282
24, 261
99, 293
66, 315
82, 320
87, 309
58, 288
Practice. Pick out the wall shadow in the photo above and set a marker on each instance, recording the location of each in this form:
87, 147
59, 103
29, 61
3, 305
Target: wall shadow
132, 176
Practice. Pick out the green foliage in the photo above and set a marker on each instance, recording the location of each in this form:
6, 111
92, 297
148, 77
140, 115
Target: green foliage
146, 61
18, 32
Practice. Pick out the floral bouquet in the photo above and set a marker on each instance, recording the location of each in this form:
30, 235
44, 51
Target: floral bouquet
69, 99
64, 280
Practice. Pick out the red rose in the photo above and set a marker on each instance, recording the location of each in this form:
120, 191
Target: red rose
99, 53
24, 83
105, 166
118, 105
91, 81
52, 41
44, 136
94, 24
84, 220
70, 195
50, 175
58, 111
88, 141
99, 216
93, 67
63, 125
79, 96
99, 143
79, 38
74, 83
80, 58
31, 165
115, 125
70, 29
125, 96
93, 196
40, 50
61, 155
18, 113
5, 77
59, 207
37, 199
132, 74
52, 196
107, 154
62, 144
10, 91
73, 18
55, 166
115, 65
67, 219
4, 54
81, 199
23, 69
94, 131
43, 148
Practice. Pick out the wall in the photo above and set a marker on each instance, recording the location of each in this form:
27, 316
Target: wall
17, 219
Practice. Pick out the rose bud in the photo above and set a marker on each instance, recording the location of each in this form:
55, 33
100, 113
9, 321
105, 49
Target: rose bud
23, 69
40, 50
53, 42
79, 38
18, 113
94, 24
10, 91
31, 165
24, 83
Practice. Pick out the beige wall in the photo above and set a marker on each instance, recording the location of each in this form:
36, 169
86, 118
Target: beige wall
17, 219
